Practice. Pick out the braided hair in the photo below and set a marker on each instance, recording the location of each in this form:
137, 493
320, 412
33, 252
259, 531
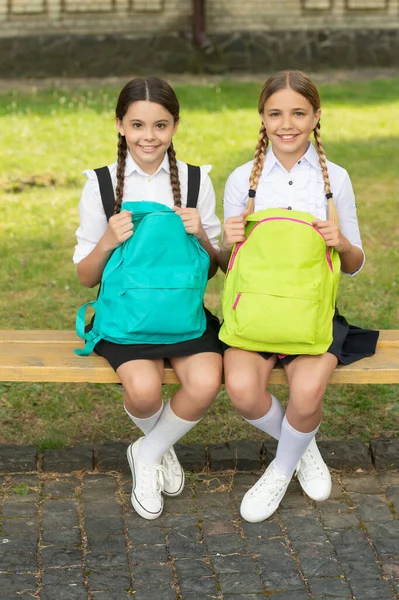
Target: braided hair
155, 90
302, 84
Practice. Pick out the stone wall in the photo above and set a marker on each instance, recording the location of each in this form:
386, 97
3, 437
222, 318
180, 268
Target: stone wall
118, 37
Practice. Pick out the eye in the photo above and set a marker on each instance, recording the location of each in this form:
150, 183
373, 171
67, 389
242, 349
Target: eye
161, 125
136, 125
274, 114
299, 113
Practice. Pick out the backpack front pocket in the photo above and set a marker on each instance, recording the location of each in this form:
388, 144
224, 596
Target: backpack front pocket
162, 311
276, 319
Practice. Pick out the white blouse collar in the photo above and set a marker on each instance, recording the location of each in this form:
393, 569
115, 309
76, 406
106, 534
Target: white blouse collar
310, 156
132, 166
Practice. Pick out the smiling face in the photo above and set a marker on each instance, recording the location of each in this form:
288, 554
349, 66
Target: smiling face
289, 118
148, 129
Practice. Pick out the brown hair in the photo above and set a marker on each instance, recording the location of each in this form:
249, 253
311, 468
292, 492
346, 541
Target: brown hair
302, 84
156, 90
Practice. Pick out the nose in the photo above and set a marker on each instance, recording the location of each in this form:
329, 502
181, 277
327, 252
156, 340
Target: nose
287, 122
148, 134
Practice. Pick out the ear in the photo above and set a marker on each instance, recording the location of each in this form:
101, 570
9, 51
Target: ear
316, 117
175, 127
119, 126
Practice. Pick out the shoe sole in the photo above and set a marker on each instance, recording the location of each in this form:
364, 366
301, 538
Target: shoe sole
179, 491
139, 508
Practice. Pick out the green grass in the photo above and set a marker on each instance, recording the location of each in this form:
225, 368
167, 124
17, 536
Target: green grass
49, 137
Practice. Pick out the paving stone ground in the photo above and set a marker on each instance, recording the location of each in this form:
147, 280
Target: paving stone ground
74, 536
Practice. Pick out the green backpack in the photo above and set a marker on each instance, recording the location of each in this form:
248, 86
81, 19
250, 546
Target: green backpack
280, 286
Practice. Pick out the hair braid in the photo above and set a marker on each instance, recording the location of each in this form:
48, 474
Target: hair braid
174, 176
332, 209
259, 159
120, 173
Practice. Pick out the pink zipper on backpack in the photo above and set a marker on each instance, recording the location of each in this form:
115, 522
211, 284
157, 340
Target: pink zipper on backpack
236, 301
238, 246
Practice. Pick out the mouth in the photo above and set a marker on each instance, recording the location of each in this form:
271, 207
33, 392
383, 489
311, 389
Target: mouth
288, 137
148, 149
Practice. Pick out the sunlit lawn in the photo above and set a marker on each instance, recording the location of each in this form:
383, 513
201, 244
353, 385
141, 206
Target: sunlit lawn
47, 139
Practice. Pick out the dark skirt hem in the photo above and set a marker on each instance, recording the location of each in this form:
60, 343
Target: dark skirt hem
118, 354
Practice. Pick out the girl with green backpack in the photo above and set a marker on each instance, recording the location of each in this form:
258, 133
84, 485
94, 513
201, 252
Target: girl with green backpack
290, 239
148, 235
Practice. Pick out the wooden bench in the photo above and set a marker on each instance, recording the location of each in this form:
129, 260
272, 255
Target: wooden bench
48, 356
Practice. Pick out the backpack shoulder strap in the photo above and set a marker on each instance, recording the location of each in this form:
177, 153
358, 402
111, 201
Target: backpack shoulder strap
193, 185
106, 190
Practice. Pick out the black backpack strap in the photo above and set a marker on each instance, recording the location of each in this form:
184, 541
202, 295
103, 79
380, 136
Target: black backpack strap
193, 185
106, 190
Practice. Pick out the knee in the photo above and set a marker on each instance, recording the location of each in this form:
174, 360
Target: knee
203, 386
142, 394
308, 391
306, 399
242, 390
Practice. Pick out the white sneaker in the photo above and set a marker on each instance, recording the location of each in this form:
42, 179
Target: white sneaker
263, 499
147, 488
313, 474
173, 474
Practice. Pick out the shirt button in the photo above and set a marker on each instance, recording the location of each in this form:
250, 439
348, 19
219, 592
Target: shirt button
290, 182
299, 162
149, 180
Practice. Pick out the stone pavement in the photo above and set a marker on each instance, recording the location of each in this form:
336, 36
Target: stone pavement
74, 536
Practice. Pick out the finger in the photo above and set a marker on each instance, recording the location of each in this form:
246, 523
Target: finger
126, 236
126, 227
235, 228
186, 217
318, 223
124, 221
245, 213
124, 213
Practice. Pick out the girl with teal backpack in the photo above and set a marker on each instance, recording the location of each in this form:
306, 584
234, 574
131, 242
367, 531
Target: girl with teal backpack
148, 235
284, 243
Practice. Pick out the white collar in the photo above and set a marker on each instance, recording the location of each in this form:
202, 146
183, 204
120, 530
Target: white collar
310, 156
132, 166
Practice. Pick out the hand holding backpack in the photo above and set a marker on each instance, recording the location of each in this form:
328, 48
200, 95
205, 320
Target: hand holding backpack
280, 286
153, 285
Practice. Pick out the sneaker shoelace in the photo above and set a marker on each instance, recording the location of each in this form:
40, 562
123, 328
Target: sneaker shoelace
280, 483
152, 480
310, 468
170, 465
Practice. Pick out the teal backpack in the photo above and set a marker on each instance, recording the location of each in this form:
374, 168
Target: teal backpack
153, 285
280, 286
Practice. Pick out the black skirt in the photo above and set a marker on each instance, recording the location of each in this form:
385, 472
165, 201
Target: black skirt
118, 354
350, 343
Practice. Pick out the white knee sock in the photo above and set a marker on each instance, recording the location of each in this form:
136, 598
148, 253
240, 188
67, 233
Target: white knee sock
270, 423
169, 429
148, 424
290, 448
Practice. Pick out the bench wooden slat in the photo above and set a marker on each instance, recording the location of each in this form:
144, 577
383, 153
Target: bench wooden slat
48, 356
388, 337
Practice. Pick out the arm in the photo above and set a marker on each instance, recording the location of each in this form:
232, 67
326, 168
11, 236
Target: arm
345, 238
351, 256
203, 221
90, 268
234, 227
192, 224
96, 238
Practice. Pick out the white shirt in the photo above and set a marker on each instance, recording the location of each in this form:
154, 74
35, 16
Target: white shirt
141, 186
302, 188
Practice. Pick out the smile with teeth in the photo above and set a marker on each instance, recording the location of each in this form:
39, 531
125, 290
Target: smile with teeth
148, 149
288, 137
